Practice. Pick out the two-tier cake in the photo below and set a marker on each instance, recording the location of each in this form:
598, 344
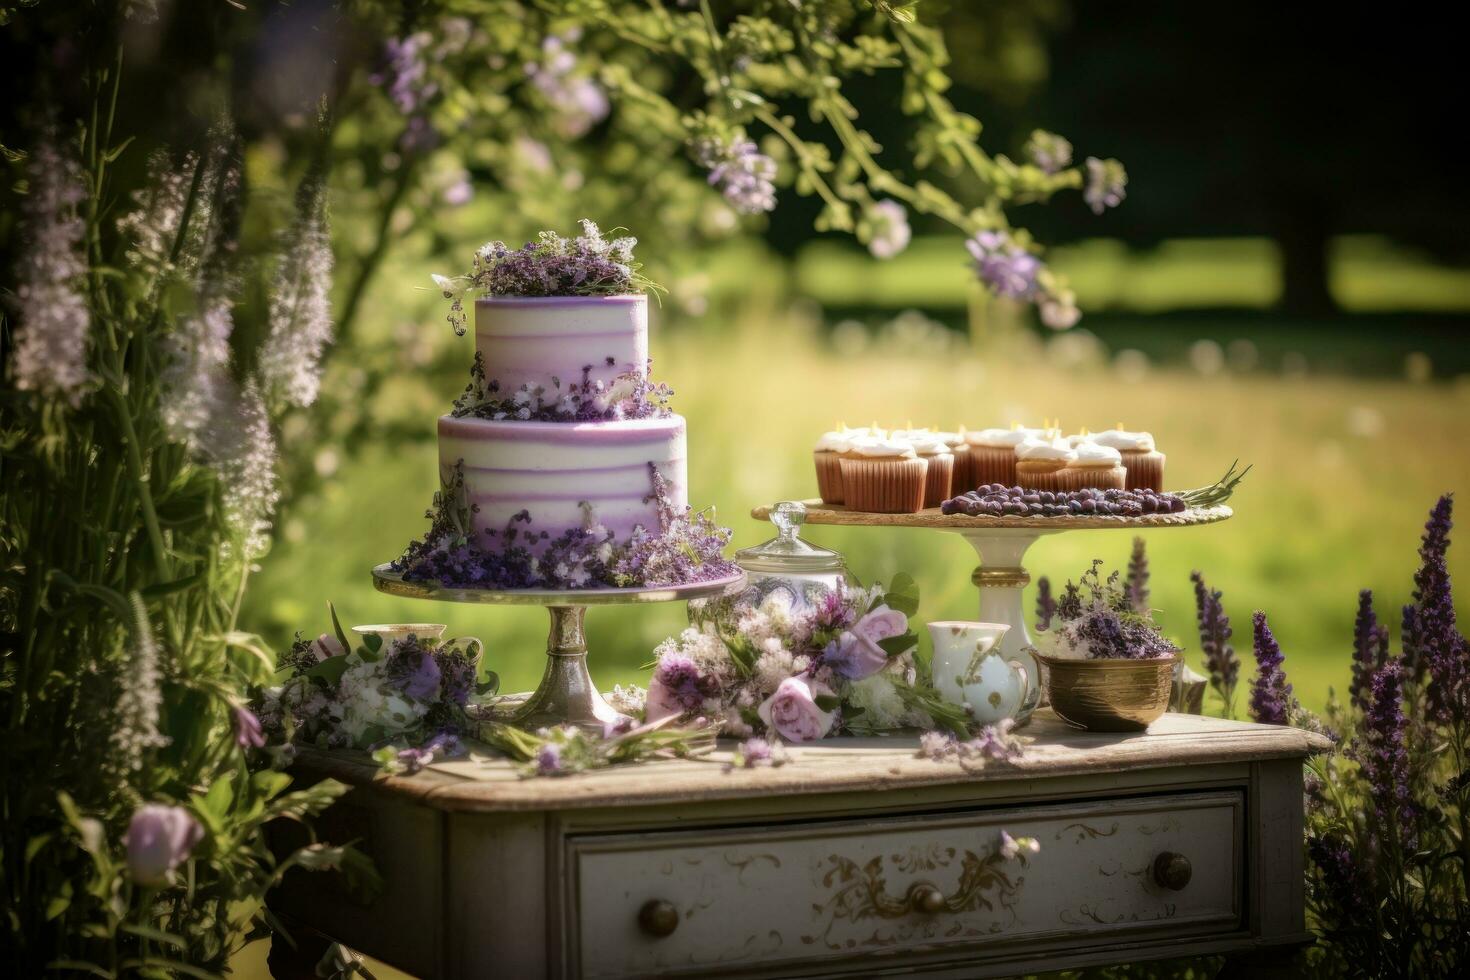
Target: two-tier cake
561, 465
566, 426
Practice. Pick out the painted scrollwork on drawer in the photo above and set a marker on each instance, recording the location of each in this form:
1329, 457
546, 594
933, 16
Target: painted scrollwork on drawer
859, 893
701, 902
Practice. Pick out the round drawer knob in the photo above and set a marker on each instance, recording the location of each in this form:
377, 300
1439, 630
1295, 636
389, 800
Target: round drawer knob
658, 918
1172, 871
926, 899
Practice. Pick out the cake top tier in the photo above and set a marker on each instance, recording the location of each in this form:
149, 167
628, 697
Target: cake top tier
588, 265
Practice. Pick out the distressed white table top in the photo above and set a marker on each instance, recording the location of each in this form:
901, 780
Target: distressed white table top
486, 782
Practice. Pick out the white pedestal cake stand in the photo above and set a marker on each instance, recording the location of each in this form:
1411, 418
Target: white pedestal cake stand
566, 694
1001, 543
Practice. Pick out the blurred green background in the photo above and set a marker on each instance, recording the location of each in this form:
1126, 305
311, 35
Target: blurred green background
1288, 283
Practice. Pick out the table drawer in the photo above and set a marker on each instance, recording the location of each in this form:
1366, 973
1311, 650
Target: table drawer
810, 895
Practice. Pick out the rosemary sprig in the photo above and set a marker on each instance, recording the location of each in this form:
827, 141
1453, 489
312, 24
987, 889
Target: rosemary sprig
1217, 492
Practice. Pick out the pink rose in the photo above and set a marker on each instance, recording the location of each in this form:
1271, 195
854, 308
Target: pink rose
881, 623
857, 653
793, 712
326, 646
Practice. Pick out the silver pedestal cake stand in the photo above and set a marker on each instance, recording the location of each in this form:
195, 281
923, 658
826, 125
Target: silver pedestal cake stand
1001, 543
566, 694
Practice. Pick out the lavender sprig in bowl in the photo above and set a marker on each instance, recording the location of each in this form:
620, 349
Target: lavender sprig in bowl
1105, 665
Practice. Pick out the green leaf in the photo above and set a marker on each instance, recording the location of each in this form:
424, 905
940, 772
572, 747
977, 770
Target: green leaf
828, 702
329, 670
157, 935
337, 625
216, 802
270, 784
896, 645
168, 588
60, 902
903, 594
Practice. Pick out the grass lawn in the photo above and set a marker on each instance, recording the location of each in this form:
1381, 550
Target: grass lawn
1345, 472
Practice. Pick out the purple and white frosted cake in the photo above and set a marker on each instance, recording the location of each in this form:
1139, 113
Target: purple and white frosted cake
556, 470
561, 465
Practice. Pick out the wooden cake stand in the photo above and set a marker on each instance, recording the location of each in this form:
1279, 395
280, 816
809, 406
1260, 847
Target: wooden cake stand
1001, 543
566, 694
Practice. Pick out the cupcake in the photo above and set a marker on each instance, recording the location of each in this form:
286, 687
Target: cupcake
1094, 466
1144, 463
992, 456
1078, 438
826, 454
934, 450
1040, 462
883, 475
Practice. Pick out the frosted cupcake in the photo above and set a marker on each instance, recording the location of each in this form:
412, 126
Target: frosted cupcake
883, 475
826, 454
1078, 438
993, 456
1144, 463
934, 450
1040, 462
1094, 466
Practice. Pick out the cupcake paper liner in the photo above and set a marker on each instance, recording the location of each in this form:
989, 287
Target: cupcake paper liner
1093, 478
939, 481
964, 466
1043, 474
992, 464
1145, 470
884, 485
829, 477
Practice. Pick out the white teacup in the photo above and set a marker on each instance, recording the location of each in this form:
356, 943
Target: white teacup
971, 671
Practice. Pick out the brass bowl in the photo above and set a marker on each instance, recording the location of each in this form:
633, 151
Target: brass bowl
1108, 695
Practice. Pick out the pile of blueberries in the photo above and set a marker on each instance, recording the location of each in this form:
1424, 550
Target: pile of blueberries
995, 500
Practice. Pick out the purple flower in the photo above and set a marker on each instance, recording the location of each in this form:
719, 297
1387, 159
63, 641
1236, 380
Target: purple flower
995, 742
678, 687
856, 653
1271, 699
459, 193
1221, 663
1370, 650
756, 752
577, 101
457, 671
51, 338
621, 725
1046, 605
415, 670
1049, 151
413, 760
1138, 577
1343, 887
405, 74
159, 839
1005, 268
888, 229
248, 733
548, 759
742, 173
1107, 184
793, 713
1431, 636
1383, 754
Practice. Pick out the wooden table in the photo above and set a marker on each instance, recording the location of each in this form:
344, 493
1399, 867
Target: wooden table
856, 858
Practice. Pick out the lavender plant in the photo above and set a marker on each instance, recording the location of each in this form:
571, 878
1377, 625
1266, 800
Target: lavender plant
1096, 619
139, 425
1221, 664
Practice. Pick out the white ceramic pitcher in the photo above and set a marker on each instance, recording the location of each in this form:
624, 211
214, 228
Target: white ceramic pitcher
970, 670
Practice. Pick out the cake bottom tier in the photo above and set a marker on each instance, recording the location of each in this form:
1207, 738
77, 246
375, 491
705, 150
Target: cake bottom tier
562, 473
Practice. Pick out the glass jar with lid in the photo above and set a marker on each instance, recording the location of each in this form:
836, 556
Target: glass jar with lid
788, 563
